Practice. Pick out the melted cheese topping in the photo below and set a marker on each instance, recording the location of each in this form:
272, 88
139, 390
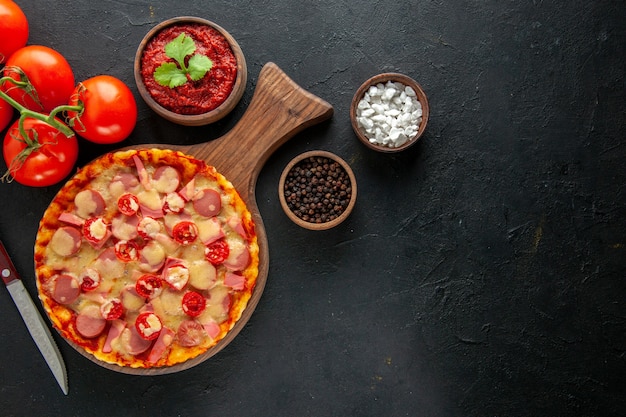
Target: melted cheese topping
150, 198
168, 180
133, 205
175, 202
149, 226
98, 229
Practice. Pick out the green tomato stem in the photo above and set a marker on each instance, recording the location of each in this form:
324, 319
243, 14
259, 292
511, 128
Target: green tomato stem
49, 119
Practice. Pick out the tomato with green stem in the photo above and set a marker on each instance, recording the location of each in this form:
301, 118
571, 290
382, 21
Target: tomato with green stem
38, 154
39, 78
13, 29
109, 110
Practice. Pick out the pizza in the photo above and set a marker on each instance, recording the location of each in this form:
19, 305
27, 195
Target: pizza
146, 258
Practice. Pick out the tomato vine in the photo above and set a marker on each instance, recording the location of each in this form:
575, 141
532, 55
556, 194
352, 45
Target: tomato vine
29, 138
50, 118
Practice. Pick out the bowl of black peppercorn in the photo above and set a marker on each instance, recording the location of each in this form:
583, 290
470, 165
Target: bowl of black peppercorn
317, 190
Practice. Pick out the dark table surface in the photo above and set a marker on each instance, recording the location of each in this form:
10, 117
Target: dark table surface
482, 273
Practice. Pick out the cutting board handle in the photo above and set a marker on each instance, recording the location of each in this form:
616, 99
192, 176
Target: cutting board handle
279, 109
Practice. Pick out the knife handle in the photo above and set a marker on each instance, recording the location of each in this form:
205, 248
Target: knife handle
7, 269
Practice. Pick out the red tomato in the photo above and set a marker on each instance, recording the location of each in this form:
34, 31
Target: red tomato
13, 29
6, 114
96, 231
127, 250
185, 232
89, 279
149, 286
193, 303
128, 204
49, 73
217, 252
50, 163
109, 114
148, 325
112, 309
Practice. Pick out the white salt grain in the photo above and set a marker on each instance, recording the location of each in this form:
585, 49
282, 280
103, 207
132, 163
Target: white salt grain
390, 114
389, 93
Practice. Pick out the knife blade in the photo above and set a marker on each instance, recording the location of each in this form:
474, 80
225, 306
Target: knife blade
34, 322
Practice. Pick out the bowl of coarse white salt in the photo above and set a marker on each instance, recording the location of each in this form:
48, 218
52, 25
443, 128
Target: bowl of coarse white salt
389, 112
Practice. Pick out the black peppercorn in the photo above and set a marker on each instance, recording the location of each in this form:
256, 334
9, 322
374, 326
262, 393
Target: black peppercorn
317, 189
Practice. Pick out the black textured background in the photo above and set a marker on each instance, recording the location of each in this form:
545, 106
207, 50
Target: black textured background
482, 272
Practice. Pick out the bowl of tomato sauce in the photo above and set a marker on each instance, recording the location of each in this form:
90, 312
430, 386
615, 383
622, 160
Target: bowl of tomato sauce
190, 71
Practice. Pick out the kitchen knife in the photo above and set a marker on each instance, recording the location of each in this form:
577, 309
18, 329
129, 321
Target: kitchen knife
34, 322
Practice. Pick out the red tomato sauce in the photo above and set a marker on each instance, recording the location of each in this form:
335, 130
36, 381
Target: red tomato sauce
194, 97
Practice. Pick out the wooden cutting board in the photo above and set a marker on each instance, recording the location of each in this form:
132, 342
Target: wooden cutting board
278, 110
